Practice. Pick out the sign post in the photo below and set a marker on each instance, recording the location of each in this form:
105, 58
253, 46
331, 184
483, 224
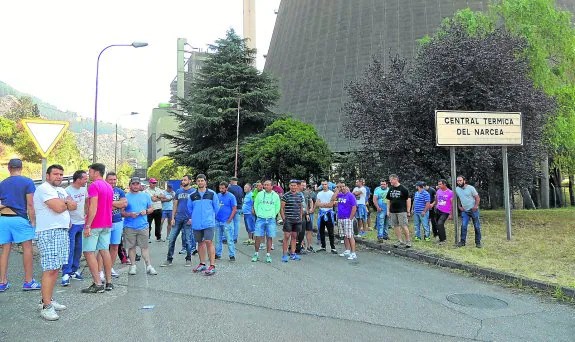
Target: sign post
45, 135
460, 128
454, 200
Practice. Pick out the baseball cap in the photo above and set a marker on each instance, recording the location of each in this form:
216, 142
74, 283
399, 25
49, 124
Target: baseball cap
153, 180
420, 183
15, 163
135, 180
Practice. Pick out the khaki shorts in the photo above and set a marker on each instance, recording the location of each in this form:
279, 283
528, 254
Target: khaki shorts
135, 237
399, 219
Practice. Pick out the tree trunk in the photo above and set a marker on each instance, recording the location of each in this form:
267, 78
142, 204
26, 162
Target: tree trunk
571, 192
556, 178
495, 195
527, 200
545, 181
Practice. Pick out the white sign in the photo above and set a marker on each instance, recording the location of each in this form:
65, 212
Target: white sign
45, 134
455, 128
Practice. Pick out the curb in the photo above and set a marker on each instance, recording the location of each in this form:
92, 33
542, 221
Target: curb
485, 272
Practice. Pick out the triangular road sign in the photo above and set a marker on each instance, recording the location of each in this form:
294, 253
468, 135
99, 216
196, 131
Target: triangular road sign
45, 134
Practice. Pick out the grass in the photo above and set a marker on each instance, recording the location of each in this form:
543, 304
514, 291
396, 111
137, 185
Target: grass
542, 245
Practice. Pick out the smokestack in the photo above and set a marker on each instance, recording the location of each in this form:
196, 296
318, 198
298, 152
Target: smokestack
250, 22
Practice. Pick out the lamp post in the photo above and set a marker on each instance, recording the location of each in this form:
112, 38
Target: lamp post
134, 44
116, 140
237, 139
122, 147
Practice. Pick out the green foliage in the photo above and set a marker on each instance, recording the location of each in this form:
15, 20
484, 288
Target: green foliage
125, 171
208, 120
286, 149
23, 109
165, 168
67, 154
24, 145
7, 130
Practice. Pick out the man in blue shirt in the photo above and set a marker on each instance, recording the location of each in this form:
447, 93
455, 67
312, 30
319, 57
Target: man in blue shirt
167, 200
382, 220
181, 223
468, 203
420, 209
249, 219
202, 207
17, 222
118, 204
224, 217
238, 193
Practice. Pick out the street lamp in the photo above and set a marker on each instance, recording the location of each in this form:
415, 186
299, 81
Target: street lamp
122, 147
116, 140
134, 44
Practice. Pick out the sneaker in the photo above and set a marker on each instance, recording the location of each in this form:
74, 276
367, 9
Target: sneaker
151, 270
65, 280
76, 276
232, 258
342, 242
49, 313
334, 251
321, 249
195, 252
262, 246
94, 289
285, 258
479, 245
115, 274
218, 257
408, 244
272, 246
247, 242
346, 253
460, 244
149, 240
102, 276
417, 238
109, 287
132, 270
33, 285
251, 242
138, 257
302, 251
352, 256
199, 268
125, 261
358, 236
210, 271
310, 249
4, 286
182, 251
57, 306
295, 257
427, 238
187, 264
169, 263
268, 259
398, 244
255, 257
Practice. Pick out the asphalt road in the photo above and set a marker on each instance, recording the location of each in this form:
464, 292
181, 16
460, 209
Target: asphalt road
379, 297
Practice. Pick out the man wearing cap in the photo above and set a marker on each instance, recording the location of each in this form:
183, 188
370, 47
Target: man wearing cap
420, 209
136, 226
238, 193
155, 194
17, 222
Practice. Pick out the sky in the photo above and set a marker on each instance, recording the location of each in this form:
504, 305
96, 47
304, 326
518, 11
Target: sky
49, 49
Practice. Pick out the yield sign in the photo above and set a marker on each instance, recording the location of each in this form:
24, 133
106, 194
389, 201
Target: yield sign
45, 134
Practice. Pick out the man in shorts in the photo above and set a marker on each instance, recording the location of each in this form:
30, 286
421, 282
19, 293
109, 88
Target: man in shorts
360, 193
118, 204
346, 209
291, 212
167, 207
203, 205
17, 221
52, 205
398, 202
249, 220
136, 227
307, 228
266, 206
98, 228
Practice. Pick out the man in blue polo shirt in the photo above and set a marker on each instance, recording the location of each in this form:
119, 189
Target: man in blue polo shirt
420, 211
224, 219
238, 193
382, 220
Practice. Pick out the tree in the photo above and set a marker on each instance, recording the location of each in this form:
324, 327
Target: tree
124, 173
208, 118
23, 109
456, 71
7, 130
286, 149
165, 168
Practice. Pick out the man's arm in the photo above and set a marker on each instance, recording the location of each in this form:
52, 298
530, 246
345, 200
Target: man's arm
174, 211
282, 210
93, 207
277, 204
375, 203
30, 209
477, 200
353, 210
234, 210
408, 203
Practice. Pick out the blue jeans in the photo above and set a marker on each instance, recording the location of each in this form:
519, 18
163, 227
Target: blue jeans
181, 225
225, 229
382, 223
236, 226
418, 220
465, 216
75, 235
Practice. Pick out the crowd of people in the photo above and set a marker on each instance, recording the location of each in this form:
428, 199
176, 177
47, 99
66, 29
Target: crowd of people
102, 222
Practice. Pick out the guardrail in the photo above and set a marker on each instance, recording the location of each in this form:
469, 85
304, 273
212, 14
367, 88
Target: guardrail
66, 180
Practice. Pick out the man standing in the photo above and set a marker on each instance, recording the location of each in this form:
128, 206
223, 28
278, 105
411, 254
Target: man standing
398, 201
443, 208
247, 208
360, 193
468, 203
76, 190
420, 210
291, 213
346, 208
432, 219
52, 205
203, 206
379, 201
326, 216
167, 208
17, 221
238, 193
266, 206
155, 194
224, 218
98, 228
118, 204
181, 223
136, 226
306, 229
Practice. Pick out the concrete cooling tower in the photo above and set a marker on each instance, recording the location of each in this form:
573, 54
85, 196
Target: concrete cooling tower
319, 46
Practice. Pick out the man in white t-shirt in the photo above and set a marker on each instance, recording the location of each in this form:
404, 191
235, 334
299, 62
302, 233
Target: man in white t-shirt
77, 190
361, 214
52, 205
326, 217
